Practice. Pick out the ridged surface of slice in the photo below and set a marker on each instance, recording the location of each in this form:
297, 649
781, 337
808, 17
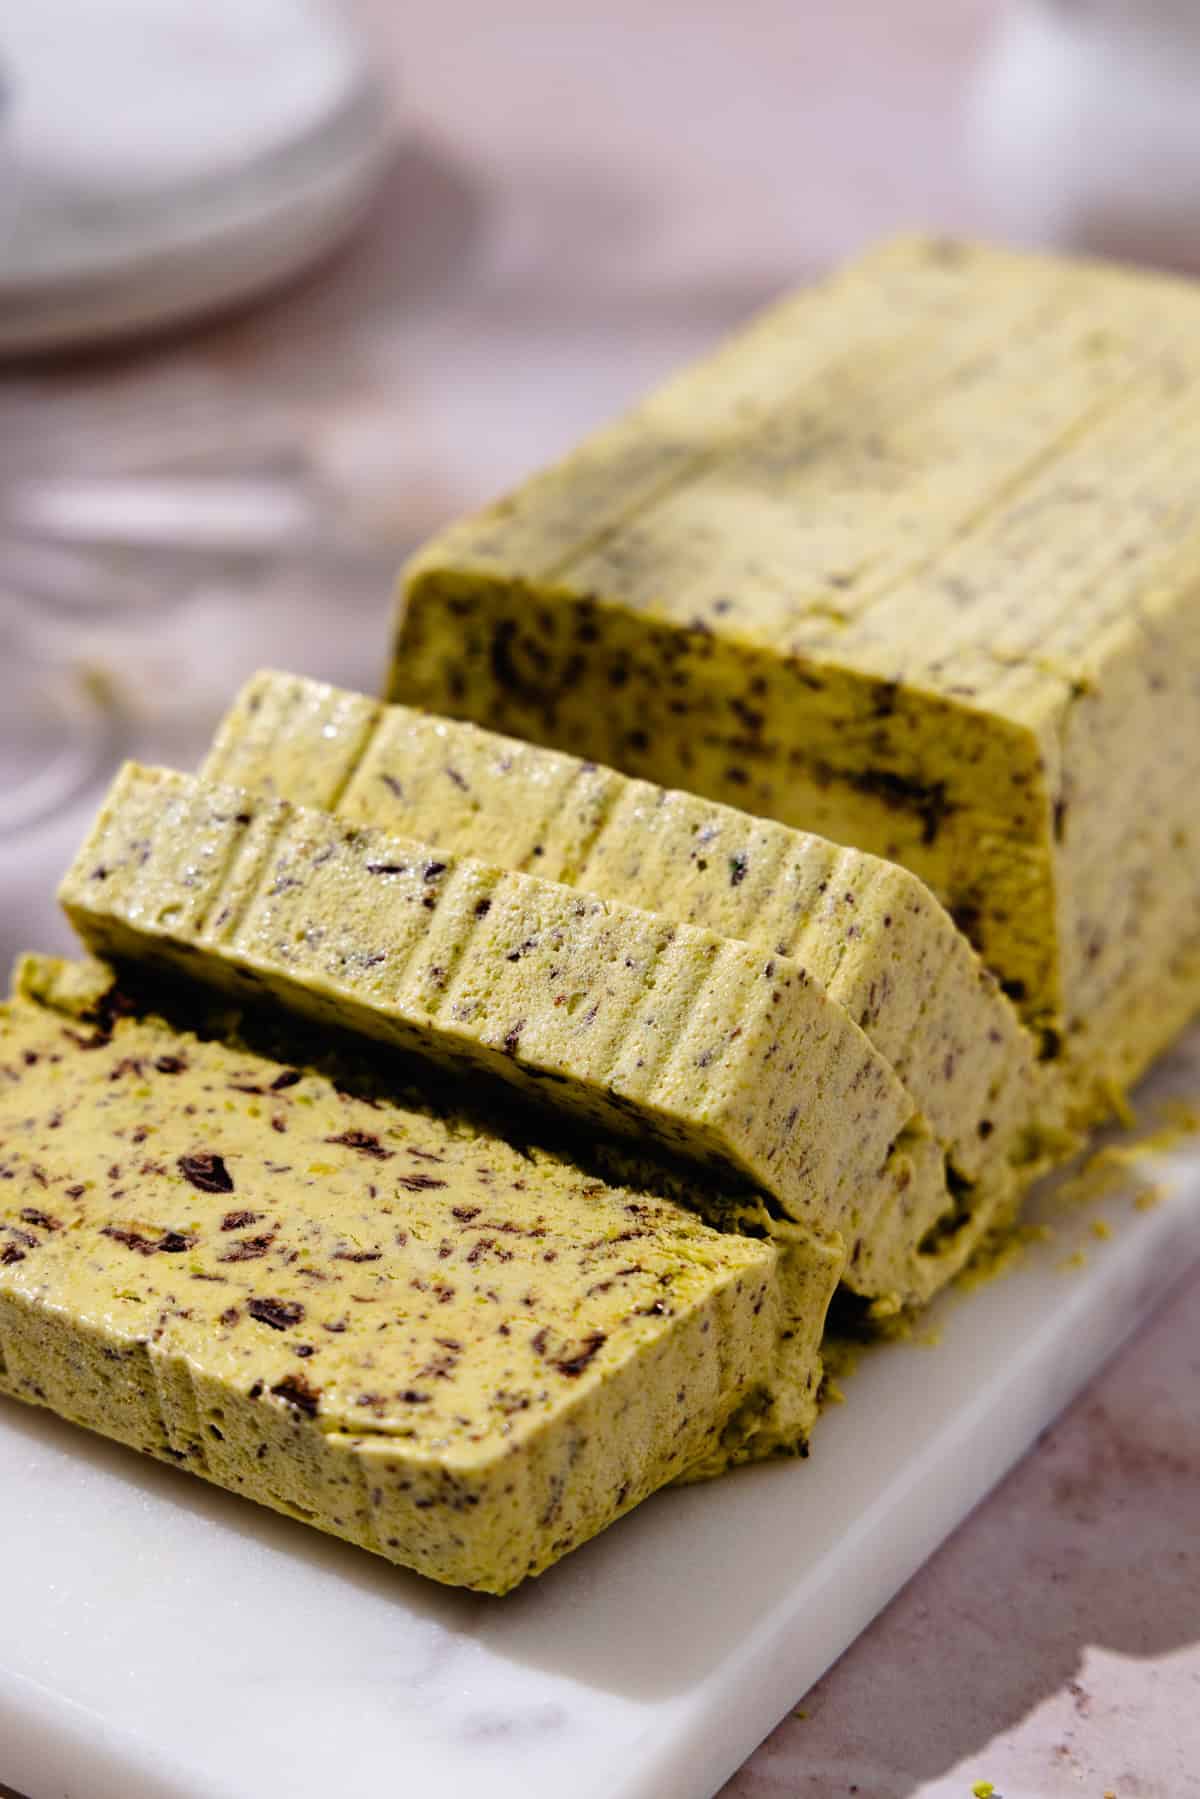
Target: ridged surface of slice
612, 1014
874, 936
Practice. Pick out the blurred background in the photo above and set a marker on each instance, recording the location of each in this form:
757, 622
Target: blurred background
284, 286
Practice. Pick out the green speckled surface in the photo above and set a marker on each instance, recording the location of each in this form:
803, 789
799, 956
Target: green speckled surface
463, 1352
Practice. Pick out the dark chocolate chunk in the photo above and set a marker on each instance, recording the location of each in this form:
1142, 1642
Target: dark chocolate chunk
207, 1171
249, 1249
297, 1392
42, 1220
279, 1314
170, 1243
419, 1183
365, 1143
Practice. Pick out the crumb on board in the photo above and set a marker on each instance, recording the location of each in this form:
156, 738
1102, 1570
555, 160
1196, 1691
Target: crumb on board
1109, 1166
1001, 1254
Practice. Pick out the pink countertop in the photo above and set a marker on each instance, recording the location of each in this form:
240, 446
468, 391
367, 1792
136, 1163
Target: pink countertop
1052, 1646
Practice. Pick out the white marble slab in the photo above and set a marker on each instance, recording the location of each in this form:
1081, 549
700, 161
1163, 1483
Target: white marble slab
161, 1640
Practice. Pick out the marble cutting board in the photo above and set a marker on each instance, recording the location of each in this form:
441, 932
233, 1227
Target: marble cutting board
161, 1640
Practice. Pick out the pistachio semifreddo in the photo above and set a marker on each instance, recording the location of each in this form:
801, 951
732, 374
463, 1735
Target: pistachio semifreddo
665, 1032
341, 1296
868, 930
911, 562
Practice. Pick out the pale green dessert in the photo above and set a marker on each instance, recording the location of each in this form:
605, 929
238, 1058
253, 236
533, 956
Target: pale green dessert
664, 1032
341, 1296
910, 562
868, 930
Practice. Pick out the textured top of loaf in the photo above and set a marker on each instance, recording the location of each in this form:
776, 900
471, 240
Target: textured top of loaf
947, 464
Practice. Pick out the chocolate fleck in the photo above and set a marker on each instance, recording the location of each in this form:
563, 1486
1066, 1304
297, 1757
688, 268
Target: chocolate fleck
43, 1220
365, 1143
171, 1243
206, 1171
249, 1249
279, 1314
573, 1362
296, 1391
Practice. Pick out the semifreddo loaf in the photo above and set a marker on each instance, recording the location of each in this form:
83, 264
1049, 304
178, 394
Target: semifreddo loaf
912, 562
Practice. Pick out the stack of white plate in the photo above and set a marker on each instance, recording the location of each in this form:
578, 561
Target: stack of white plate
160, 158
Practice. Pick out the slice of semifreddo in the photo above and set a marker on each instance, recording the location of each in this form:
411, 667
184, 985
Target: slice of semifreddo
347, 1299
912, 562
868, 930
664, 1032
779, 1412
